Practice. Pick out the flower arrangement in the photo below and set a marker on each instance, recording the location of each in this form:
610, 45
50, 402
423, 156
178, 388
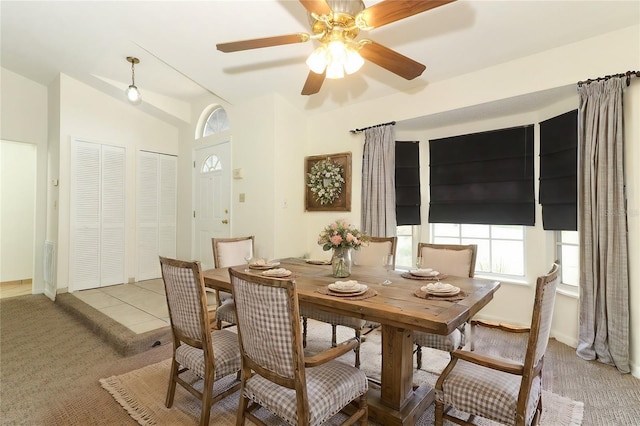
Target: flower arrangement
340, 234
325, 181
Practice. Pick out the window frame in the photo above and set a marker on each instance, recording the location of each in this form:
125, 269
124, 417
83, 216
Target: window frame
465, 240
558, 244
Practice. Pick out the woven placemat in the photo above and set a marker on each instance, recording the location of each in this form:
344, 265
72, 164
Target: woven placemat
416, 277
367, 294
424, 295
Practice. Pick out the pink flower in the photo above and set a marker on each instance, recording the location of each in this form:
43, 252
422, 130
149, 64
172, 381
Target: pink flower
350, 237
336, 240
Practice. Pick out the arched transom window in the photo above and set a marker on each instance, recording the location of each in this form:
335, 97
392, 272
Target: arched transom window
211, 164
216, 122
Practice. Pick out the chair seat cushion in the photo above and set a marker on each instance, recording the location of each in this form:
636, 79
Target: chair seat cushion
330, 387
487, 393
332, 318
226, 354
226, 312
447, 343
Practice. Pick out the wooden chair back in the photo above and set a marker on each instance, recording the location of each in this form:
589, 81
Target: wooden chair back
231, 251
540, 328
489, 371
451, 259
372, 253
193, 341
187, 303
270, 338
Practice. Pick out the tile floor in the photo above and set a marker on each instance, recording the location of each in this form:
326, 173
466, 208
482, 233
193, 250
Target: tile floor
141, 306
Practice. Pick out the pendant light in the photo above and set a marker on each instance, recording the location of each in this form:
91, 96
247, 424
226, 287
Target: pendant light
133, 94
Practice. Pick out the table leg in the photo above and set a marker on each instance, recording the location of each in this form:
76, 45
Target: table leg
397, 403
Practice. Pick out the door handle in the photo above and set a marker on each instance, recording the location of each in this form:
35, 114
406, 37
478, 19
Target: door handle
225, 221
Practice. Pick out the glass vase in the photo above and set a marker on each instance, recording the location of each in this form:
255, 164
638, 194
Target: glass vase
341, 262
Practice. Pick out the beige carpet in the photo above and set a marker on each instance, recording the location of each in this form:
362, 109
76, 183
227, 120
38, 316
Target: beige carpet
142, 392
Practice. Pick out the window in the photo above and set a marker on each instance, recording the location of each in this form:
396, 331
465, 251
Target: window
404, 247
500, 247
567, 243
210, 164
216, 122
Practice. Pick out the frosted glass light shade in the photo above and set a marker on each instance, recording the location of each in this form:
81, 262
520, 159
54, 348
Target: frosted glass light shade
335, 70
318, 59
353, 62
133, 94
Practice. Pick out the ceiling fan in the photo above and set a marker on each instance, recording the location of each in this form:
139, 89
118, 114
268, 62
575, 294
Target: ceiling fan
336, 24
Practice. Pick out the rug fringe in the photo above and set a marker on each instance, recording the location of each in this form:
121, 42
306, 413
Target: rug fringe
138, 412
577, 413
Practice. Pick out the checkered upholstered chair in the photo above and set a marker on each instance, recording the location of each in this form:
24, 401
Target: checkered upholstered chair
229, 252
275, 373
450, 259
502, 390
210, 355
370, 254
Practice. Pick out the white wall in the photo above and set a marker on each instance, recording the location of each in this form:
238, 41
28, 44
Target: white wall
17, 210
24, 119
93, 116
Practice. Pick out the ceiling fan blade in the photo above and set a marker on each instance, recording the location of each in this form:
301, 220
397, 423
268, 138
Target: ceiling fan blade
257, 43
319, 7
390, 60
313, 83
388, 11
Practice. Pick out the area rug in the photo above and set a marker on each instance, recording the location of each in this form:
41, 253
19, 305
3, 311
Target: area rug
142, 393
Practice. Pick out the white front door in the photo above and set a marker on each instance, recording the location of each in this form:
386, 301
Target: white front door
212, 182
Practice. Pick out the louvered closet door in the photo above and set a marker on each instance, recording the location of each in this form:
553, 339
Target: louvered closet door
156, 212
97, 244
168, 176
112, 238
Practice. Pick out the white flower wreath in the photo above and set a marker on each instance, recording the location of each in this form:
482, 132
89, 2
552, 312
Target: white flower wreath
325, 181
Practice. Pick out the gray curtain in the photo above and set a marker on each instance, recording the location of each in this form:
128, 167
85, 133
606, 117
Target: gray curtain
378, 182
602, 223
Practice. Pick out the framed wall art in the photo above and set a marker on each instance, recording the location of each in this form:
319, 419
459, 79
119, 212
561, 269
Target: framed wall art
328, 182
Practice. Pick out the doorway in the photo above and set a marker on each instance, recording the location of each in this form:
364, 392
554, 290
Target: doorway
17, 217
212, 199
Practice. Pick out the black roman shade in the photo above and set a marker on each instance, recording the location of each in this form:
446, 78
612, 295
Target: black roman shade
407, 183
559, 172
483, 178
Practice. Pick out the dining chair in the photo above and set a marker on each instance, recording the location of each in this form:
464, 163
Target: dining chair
369, 254
210, 355
275, 373
229, 252
450, 259
498, 389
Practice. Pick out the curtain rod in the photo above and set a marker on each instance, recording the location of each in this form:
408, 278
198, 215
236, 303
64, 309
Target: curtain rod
371, 127
627, 74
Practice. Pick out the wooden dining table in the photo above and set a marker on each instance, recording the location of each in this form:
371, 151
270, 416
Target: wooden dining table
399, 311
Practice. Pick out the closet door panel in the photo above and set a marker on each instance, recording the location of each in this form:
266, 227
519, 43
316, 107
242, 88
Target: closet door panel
84, 259
147, 216
168, 177
112, 241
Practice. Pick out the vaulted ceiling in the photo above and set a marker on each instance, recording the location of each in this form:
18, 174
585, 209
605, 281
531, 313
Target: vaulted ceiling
176, 43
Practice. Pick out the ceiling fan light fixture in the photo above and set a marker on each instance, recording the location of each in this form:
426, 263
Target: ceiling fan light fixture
353, 61
335, 70
317, 61
133, 94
